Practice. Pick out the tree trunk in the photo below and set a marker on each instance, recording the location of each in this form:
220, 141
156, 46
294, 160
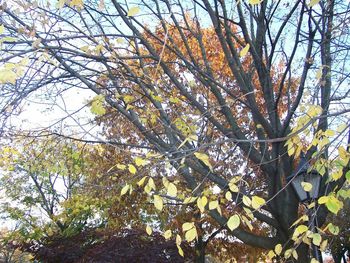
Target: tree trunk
200, 251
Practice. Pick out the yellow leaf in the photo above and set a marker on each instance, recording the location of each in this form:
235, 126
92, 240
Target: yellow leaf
201, 203
151, 184
205, 159
165, 182
316, 239
148, 230
158, 202
189, 200
7, 76
228, 196
287, 253
133, 11
142, 181
244, 51
257, 202
178, 240
314, 260
167, 234
323, 199
334, 205
172, 190
255, 2
132, 169
124, 190
191, 234
233, 222
60, 4
2, 29
246, 200
323, 245
271, 254
77, 3
213, 204
306, 186
295, 255
187, 226
299, 230
233, 187
140, 162
85, 49
121, 166
278, 249
313, 2
181, 253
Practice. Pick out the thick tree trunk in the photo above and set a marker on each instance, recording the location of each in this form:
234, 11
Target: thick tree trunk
200, 251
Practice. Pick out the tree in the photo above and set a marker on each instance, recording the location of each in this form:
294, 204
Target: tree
273, 88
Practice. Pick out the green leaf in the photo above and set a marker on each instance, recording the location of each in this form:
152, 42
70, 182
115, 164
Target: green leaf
97, 105
334, 205
233, 222
316, 239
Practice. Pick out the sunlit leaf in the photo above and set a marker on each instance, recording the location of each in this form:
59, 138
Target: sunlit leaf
124, 190
233, 222
148, 230
133, 11
158, 202
316, 239
313, 2
278, 249
202, 202
132, 169
167, 234
191, 234
187, 226
255, 2
205, 159
140, 162
306, 186
142, 181
244, 51
172, 190
228, 196
178, 240
181, 253
213, 204
257, 202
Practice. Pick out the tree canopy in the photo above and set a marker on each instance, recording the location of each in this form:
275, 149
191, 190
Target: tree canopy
199, 114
